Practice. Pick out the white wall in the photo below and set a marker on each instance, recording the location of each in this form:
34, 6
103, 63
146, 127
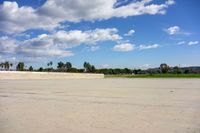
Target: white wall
47, 75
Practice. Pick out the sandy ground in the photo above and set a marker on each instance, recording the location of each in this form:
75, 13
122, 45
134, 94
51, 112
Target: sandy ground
100, 106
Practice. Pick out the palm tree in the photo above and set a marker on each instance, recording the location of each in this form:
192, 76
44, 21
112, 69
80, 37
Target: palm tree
7, 65
92, 68
68, 66
61, 65
11, 64
50, 63
88, 67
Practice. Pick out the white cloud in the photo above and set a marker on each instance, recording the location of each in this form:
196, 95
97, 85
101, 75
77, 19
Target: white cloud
173, 30
76, 10
15, 19
57, 44
153, 46
185, 65
182, 42
105, 66
7, 45
193, 43
73, 38
94, 48
170, 2
125, 47
145, 66
176, 30
42, 46
130, 33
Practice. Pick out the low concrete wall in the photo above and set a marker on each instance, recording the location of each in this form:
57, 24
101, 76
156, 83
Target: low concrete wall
47, 75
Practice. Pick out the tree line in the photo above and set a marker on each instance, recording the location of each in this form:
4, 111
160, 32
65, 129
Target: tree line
89, 68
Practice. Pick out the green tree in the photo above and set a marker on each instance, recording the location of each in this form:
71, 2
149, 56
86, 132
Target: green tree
92, 68
2, 65
88, 67
61, 66
49, 64
164, 68
20, 66
7, 65
127, 71
68, 66
177, 70
11, 64
30, 68
40, 69
187, 71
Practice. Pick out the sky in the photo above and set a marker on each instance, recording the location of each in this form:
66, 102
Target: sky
106, 33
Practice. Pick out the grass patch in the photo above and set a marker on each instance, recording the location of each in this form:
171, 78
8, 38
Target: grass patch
155, 76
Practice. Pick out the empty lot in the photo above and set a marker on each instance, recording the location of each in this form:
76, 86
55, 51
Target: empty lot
100, 106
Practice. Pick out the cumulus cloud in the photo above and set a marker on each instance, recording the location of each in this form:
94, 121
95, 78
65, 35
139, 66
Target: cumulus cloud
42, 46
7, 45
153, 46
57, 44
173, 30
77, 10
176, 30
193, 43
130, 33
15, 19
125, 47
73, 38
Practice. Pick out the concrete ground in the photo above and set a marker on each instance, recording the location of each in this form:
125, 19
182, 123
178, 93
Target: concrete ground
100, 106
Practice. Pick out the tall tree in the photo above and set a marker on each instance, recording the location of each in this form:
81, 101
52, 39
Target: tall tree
92, 68
2, 65
20, 66
61, 65
7, 65
88, 67
50, 63
11, 64
68, 66
30, 68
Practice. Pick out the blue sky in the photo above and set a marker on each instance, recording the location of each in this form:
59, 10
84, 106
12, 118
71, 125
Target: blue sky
115, 33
